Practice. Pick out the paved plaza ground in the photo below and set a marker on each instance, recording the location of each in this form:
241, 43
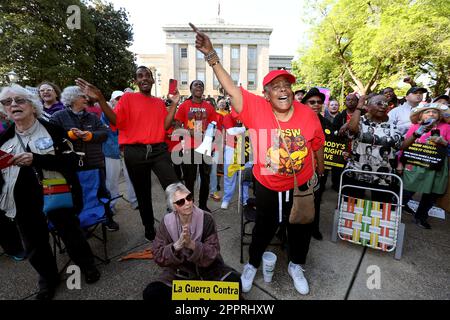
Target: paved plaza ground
335, 271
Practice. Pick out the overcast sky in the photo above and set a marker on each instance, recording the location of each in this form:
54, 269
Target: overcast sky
148, 17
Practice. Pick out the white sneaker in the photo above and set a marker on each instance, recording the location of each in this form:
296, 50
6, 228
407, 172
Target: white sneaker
300, 282
248, 274
224, 205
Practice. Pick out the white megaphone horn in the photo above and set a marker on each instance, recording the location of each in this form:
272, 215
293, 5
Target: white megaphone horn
207, 144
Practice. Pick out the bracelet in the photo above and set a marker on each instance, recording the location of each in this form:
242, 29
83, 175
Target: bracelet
213, 64
210, 54
212, 58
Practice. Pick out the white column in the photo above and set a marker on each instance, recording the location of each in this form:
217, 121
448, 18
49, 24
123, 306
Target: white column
209, 85
192, 67
243, 65
263, 65
226, 57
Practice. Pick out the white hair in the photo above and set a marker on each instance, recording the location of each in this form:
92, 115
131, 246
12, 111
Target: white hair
24, 93
70, 94
170, 192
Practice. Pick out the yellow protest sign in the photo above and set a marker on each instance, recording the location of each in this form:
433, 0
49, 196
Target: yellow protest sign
204, 290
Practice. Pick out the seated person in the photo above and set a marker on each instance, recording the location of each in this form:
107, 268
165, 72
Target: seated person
186, 246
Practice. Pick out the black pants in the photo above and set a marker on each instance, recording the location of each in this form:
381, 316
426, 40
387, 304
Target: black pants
190, 158
161, 292
267, 222
10, 239
336, 177
140, 161
318, 199
34, 231
426, 203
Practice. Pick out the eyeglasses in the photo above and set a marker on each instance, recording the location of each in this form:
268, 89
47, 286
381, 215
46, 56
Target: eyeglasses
181, 202
46, 90
381, 103
314, 102
83, 96
8, 101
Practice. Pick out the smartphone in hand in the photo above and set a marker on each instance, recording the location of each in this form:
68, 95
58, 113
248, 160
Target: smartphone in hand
173, 84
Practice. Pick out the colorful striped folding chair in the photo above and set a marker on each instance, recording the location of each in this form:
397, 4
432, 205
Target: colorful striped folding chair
373, 224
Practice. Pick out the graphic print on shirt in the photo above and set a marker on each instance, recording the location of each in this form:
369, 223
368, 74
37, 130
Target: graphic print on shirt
374, 150
197, 119
278, 160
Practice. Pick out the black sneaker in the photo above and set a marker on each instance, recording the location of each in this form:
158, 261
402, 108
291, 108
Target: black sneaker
317, 235
423, 224
111, 225
47, 289
46, 293
408, 210
205, 208
91, 274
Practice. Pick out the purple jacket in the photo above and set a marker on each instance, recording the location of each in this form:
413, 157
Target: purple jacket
47, 112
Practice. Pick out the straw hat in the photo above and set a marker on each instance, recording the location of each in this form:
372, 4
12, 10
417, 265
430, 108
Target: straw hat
417, 111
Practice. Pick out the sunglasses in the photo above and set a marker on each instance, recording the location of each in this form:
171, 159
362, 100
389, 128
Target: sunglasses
182, 201
7, 102
314, 102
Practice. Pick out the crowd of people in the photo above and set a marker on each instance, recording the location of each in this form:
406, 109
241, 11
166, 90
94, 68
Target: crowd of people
139, 133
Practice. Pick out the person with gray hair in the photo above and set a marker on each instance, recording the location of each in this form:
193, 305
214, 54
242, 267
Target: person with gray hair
39, 150
186, 246
87, 133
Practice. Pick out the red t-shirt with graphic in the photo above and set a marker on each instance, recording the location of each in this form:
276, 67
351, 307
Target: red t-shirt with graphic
140, 119
274, 168
196, 116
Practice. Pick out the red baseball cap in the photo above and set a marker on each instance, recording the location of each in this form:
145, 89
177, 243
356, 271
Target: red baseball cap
276, 73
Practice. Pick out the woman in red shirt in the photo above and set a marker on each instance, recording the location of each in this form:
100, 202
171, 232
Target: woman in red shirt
272, 120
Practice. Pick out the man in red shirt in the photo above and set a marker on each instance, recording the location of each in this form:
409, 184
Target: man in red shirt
271, 120
195, 114
142, 121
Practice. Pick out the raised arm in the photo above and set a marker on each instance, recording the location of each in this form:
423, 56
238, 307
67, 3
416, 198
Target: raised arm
93, 92
204, 45
174, 98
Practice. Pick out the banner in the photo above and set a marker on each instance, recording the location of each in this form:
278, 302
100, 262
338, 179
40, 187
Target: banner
333, 151
425, 155
327, 93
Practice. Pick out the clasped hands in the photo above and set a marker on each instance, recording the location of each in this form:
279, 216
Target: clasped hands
185, 240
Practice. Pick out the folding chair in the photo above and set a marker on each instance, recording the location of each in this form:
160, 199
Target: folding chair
373, 224
94, 210
92, 215
247, 214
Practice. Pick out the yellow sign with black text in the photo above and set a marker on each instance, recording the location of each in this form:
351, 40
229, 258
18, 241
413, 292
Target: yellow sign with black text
204, 290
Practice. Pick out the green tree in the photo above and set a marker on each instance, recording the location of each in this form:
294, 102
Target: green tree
38, 45
366, 45
114, 64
